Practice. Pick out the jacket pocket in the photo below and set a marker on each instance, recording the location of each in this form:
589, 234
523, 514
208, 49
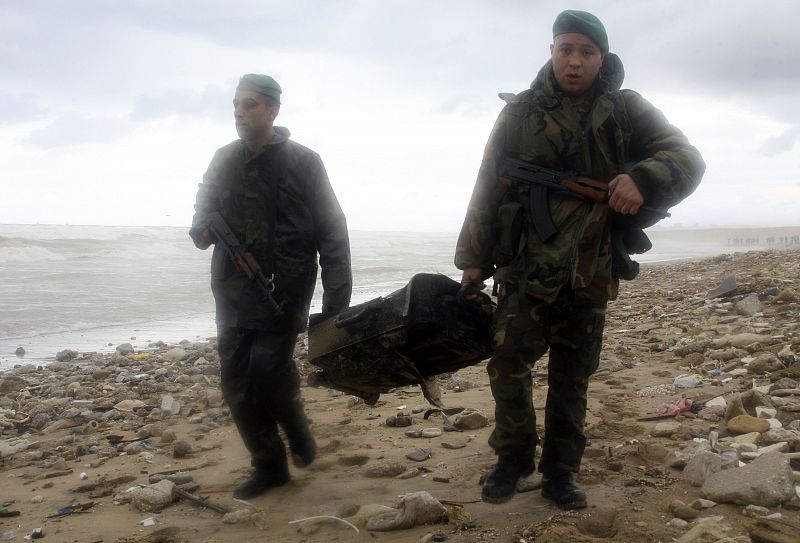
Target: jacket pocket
510, 220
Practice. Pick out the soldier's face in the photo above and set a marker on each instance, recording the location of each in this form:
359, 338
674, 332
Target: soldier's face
253, 116
576, 63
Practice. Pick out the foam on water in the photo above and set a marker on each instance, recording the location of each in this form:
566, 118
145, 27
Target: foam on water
13, 250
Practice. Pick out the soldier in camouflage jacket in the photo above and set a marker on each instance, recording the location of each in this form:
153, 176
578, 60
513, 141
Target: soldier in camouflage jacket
552, 295
275, 196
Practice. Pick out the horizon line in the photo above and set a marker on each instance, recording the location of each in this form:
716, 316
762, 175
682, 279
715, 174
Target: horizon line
374, 230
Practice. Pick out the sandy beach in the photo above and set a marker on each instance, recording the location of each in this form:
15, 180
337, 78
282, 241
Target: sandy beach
138, 446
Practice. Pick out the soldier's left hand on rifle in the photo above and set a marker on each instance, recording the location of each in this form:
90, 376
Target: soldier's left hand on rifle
624, 195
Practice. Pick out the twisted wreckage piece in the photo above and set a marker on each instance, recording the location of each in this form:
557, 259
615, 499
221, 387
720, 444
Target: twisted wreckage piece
405, 338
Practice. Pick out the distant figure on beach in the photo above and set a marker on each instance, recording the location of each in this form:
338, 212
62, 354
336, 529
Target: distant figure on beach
552, 293
276, 198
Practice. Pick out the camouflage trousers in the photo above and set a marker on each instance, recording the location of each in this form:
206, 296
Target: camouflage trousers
524, 329
261, 385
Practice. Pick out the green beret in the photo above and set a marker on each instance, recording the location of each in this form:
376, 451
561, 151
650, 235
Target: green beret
262, 84
582, 22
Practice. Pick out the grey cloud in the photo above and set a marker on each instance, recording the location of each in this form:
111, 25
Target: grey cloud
443, 44
743, 49
16, 108
77, 128
781, 143
739, 49
206, 103
91, 55
724, 50
245, 24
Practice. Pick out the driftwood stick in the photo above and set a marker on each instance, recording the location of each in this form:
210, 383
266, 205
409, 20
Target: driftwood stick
785, 392
186, 468
198, 500
325, 517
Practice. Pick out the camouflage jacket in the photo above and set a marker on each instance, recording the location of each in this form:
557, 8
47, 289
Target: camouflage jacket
284, 185
614, 132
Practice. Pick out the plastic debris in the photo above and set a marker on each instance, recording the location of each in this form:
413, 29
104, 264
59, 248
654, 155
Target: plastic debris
687, 381
678, 406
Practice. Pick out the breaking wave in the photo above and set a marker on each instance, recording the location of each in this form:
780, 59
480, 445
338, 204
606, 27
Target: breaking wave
18, 250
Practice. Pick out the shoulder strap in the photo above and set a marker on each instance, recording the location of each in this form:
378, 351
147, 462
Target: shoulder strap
622, 122
516, 111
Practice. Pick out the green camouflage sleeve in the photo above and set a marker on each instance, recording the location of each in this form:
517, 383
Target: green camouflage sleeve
666, 167
476, 240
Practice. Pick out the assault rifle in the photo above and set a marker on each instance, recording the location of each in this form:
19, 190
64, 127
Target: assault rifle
541, 180
243, 259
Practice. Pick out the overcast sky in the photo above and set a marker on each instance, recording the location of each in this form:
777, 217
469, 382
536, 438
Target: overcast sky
111, 111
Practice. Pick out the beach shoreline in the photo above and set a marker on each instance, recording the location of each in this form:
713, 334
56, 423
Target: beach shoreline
43, 347
85, 287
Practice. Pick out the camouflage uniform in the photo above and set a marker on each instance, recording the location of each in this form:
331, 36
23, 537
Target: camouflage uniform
285, 185
281, 206
553, 295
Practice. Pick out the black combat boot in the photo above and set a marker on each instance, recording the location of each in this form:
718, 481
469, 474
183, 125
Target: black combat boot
501, 484
301, 444
262, 479
559, 489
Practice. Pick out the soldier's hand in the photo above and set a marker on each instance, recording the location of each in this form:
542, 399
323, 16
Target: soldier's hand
624, 195
204, 240
472, 276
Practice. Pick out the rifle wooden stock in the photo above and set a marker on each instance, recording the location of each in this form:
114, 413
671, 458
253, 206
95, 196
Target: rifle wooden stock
577, 186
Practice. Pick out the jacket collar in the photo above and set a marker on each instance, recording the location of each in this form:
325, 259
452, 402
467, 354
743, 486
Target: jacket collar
281, 136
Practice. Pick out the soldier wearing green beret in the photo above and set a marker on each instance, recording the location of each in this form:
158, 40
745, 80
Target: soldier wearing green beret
275, 196
553, 292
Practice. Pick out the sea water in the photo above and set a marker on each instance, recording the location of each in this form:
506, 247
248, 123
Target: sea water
90, 288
